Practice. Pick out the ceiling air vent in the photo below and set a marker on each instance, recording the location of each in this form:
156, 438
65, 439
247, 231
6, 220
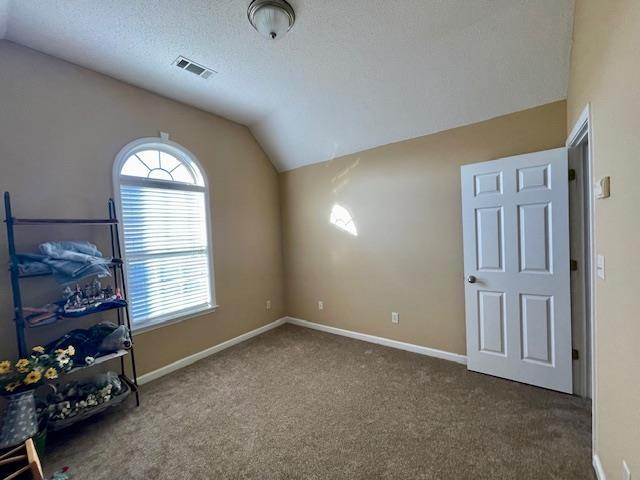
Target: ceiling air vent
193, 67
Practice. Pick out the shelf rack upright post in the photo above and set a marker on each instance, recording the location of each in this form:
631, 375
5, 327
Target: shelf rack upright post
116, 266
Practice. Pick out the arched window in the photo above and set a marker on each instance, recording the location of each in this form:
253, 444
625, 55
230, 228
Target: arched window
163, 205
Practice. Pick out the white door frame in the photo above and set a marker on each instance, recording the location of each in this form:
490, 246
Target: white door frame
583, 129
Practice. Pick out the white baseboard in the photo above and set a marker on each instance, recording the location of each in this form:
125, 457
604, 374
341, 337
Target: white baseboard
183, 362
597, 466
431, 352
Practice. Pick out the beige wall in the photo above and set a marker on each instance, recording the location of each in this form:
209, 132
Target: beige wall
407, 257
605, 71
60, 129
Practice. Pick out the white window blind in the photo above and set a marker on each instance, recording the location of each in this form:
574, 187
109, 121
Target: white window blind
166, 245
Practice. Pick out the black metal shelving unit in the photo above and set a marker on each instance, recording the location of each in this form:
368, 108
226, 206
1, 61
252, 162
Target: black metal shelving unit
116, 266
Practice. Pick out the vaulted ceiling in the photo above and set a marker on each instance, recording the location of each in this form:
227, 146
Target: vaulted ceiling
351, 75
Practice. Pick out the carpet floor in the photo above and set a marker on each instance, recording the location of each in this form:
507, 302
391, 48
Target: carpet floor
300, 404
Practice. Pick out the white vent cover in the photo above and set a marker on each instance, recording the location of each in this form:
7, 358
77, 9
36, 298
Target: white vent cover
193, 67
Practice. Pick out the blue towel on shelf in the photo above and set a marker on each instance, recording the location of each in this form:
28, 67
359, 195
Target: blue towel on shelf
69, 261
32, 264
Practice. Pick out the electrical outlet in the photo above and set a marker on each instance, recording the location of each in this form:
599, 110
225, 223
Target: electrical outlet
268, 304
320, 305
626, 473
395, 317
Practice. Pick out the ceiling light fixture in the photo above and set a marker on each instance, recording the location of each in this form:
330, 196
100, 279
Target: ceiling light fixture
271, 18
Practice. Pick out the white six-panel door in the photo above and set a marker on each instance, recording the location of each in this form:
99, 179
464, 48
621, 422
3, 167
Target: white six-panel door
515, 215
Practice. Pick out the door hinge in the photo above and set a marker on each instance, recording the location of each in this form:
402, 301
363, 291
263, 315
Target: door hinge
575, 354
574, 265
572, 174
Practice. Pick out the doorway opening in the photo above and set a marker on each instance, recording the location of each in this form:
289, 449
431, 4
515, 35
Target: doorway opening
581, 248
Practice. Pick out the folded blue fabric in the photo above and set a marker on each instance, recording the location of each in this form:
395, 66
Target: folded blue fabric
31, 264
69, 261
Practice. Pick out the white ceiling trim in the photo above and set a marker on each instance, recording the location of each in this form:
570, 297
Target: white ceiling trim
348, 77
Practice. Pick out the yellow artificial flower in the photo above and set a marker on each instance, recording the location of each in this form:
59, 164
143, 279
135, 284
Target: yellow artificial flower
22, 365
71, 351
10, 387
33, 377
59, 351
38, 349
5, 367
50, 374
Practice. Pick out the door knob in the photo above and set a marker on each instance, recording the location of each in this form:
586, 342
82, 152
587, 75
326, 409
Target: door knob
471, 279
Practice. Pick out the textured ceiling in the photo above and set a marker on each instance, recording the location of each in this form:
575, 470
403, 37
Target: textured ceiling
351, 75
4, 10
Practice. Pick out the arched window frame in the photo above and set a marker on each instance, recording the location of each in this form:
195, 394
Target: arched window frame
163, 144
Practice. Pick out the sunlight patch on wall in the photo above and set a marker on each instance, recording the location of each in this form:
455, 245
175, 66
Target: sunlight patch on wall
341, 218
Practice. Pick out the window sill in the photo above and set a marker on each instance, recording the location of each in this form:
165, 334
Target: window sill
171, 321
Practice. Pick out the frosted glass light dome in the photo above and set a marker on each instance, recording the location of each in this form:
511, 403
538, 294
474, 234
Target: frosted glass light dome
272, 18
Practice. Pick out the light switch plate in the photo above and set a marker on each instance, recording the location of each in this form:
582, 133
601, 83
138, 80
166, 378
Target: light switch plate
600, 266
602, 188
